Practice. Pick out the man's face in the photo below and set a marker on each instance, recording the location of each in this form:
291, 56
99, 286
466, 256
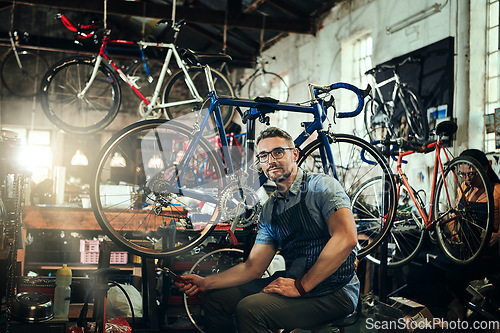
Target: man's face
277, 169
469, 175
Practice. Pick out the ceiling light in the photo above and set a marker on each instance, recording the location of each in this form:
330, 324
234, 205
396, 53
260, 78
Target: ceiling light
155, 162
79, 158
118, 161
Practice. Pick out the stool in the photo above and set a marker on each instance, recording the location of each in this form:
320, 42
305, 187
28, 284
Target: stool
340, 323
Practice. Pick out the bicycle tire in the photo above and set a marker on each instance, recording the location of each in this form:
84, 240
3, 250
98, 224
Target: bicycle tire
376, 123
25, 81
463, 228
415, 116
59, 96
145, 212
408, 232
177, 90
268, 84
196, 318
353, 172
148, 85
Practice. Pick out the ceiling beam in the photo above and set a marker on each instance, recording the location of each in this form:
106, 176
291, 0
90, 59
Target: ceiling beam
160, 11
286, 7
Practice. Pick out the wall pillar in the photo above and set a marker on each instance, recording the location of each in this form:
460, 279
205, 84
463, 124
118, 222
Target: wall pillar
462, 69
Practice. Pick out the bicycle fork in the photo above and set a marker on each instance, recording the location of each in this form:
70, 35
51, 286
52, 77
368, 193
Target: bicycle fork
98, 61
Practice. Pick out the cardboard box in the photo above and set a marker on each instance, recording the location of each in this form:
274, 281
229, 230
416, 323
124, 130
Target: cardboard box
406, 316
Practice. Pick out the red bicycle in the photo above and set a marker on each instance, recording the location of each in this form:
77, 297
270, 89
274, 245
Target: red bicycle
461, 206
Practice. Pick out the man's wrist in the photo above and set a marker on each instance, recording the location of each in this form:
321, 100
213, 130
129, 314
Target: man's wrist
300, 288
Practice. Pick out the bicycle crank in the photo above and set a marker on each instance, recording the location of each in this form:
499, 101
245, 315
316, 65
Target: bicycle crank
155, 113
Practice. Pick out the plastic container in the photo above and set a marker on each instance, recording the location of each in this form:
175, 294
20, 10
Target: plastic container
62, 292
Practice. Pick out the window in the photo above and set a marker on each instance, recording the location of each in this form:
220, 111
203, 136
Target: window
492, 67
356, 60
35, 153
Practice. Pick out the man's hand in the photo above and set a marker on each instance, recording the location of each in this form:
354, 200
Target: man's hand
282, 286
191, 284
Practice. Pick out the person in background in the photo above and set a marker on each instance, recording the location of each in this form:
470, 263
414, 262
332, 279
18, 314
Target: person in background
441, 284
308, 218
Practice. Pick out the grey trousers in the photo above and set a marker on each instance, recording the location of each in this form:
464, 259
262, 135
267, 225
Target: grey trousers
241, 309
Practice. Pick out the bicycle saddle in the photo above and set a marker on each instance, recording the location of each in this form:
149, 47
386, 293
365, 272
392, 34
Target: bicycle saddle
196, 59
446, 128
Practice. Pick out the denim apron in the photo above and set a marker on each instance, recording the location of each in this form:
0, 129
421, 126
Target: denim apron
301, 240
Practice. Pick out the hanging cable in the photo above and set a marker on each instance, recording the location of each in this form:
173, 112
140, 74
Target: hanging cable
173, 11
143, 21
261, 46
12, 16
224, 33
105, 14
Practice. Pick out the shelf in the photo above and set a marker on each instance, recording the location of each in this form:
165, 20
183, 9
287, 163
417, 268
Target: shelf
127, 267
73, 218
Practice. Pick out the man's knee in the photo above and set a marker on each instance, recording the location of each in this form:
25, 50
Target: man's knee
245, 305
214, 303
253, 307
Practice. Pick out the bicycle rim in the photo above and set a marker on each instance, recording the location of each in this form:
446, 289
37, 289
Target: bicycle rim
463, 227
268, 84
416, 118
143, 203
177, 91
62, 105
25, 81
356, 162
211, 263
407, 234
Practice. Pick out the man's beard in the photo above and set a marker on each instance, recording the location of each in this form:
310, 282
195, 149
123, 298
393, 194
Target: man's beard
281, 178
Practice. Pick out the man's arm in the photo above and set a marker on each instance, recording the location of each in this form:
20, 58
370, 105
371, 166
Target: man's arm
258, 260
343, 240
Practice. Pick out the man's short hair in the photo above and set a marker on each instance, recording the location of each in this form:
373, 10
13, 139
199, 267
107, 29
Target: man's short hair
275, 132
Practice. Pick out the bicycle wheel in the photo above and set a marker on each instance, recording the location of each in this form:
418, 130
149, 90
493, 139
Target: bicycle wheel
268, 84
61, 101
147, 198
463, 223
407, 234
147, 83
415, 116
376, 121
356, 162
23, 79
211, 263
177, 90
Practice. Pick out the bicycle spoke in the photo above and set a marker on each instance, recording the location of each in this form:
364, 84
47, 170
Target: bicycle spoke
159, 202
67, 108
177, 90
372, 200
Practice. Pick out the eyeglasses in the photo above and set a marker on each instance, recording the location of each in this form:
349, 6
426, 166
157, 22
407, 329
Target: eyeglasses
277, 153
467, 174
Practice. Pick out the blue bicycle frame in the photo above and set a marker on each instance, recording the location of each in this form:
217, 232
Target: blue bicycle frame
257, 109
